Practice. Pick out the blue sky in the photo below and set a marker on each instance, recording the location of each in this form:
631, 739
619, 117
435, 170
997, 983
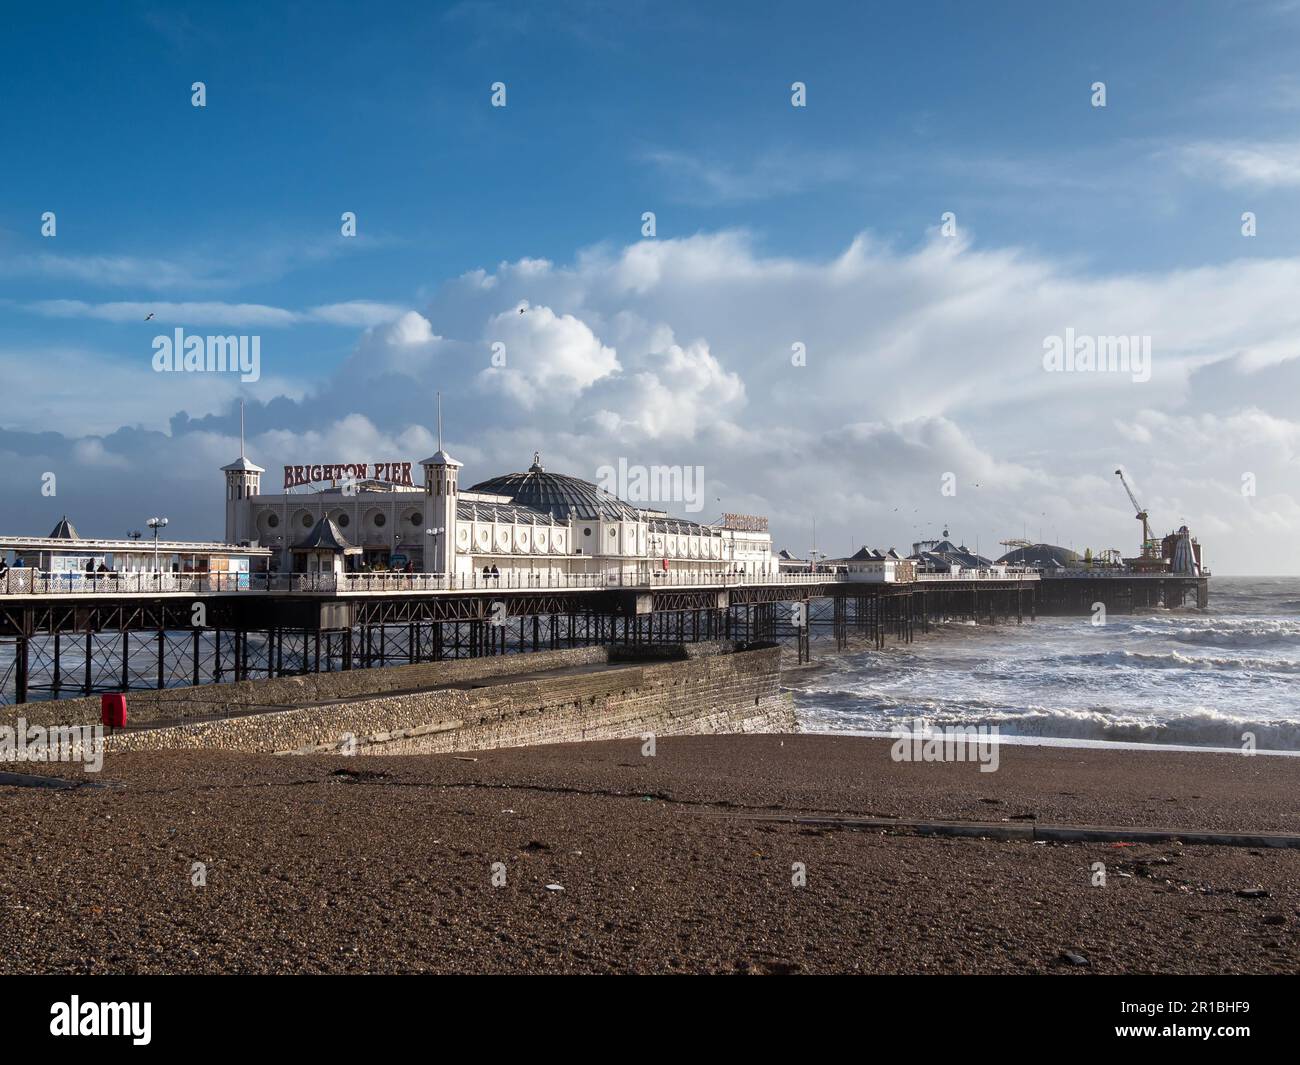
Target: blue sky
684, 110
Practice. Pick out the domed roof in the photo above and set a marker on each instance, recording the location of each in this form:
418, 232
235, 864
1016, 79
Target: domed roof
1042, 555
560, 496
242, 464
65, 530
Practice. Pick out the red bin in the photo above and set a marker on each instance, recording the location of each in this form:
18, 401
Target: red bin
112, 709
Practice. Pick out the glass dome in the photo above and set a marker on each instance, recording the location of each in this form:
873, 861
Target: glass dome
558, 495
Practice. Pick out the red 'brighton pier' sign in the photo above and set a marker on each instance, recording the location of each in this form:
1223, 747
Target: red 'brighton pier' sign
392, 472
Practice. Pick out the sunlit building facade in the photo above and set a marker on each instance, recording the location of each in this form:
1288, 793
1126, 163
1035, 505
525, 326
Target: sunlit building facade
534, 526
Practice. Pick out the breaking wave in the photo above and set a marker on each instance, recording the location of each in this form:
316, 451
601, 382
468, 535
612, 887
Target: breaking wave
1224, 632
1177, 660
1166, 678
1198, 727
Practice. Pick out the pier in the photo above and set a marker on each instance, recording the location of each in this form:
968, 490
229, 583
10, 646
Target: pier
1080, 591
78, 634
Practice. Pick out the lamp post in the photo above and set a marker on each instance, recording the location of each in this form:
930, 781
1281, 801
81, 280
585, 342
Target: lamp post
656, 543
155, 524
135, 535
433, 532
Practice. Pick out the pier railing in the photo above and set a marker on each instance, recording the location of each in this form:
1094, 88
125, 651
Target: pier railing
993, 573
1101, 573
30, 581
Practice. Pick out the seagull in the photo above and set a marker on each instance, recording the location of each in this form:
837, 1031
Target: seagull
148, 316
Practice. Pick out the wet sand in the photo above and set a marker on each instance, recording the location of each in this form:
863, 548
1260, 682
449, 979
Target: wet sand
681, 862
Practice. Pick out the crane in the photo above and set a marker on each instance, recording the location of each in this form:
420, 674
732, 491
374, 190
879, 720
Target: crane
1141, 515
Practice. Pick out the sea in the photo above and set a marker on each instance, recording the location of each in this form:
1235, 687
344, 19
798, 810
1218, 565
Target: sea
1186, 677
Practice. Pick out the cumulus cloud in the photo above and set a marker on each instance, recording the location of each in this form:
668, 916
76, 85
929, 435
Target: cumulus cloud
546, 355
677, 391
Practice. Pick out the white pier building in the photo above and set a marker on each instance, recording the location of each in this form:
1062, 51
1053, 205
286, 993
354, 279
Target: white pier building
535, 527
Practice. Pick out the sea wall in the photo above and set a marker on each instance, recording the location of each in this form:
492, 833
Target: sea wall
208, 700
613, 693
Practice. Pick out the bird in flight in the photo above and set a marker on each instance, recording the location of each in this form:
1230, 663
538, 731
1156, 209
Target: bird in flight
148, 316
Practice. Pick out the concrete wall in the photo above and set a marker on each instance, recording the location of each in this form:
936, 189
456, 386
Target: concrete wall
207, 700
701, 688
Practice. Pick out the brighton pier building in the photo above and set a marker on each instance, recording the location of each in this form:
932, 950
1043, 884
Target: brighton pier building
535, 527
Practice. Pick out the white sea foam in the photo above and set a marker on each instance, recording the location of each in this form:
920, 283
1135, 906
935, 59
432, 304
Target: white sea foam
1177, 660
1166, 679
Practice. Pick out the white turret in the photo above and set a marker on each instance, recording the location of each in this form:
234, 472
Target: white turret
440, 474
243, 479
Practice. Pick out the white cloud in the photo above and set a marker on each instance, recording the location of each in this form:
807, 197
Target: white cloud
126, 271
673, 395
77, 392
1253, 164
357, 313
547, 355
779, 172
90, 451
351, 314
186, 314
405, 346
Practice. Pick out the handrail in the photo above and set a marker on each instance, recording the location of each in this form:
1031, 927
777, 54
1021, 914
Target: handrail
982, 573
30, 581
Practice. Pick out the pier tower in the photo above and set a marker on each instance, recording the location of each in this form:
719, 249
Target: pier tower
440, 489
243, 481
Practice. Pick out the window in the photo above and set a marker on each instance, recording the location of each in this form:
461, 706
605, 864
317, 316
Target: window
272, 521
307, 523
343, 520
417, 519
379, 521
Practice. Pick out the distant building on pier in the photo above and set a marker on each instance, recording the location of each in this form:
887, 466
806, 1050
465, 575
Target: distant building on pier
65, 551
939, 556
1046, 557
